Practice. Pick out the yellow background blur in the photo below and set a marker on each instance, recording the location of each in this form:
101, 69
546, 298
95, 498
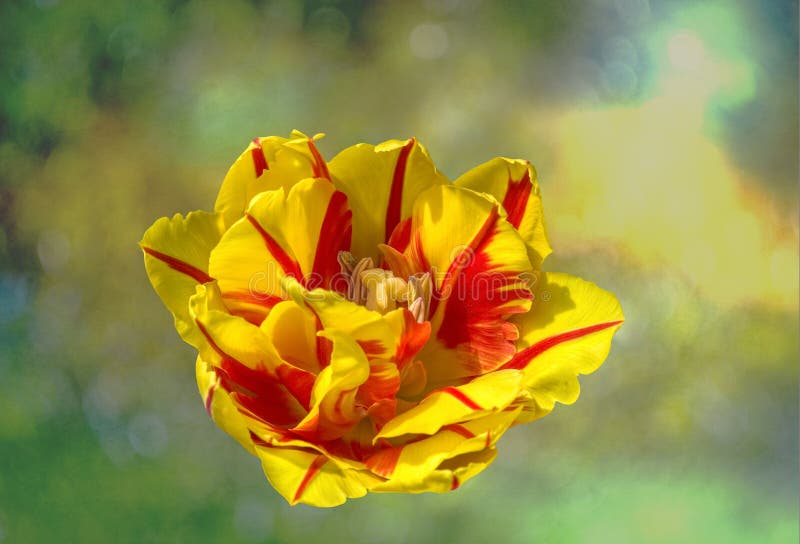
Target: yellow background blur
665, 134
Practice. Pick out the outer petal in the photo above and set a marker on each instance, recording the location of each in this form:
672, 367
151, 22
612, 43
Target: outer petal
567, 332
262, 385
299, 234
220, 407
443, 461
176, 253
513, 183
268, 163
486, 394
307, 476
381, 183
480, 266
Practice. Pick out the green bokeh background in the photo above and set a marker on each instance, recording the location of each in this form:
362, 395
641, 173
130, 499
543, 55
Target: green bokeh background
665, 136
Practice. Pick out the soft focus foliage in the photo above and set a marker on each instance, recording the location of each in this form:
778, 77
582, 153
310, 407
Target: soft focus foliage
665, 137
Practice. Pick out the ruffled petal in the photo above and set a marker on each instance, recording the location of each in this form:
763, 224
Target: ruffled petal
298, 234
263, 386
567, 332
381, 183
219, 405
443, 461
480, 269
268, 163
394, 336
307, 476
334, 410
513, 183
485, 394
176, 254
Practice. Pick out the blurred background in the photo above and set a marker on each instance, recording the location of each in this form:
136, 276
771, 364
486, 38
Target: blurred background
665, 134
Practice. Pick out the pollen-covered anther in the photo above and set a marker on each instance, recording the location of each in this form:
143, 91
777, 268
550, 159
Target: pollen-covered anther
420, 288
383, 289
380, 290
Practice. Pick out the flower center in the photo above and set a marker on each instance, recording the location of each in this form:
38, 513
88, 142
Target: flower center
380, 290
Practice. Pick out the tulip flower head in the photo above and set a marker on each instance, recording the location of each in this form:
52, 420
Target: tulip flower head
367, 325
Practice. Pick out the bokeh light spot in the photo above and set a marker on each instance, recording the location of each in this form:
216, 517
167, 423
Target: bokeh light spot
686, 51
428, 41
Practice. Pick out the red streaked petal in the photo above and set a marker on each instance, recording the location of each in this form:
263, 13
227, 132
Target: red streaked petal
568, 332
513, 182
320, 166
461, 397
288, 264
516, 200
312, 471
334, 236
525, 356
179, 266
382, 183
401, 235
259, 160
393, 209
485, 263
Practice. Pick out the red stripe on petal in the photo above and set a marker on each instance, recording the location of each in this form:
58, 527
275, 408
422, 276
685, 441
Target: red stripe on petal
319, 168
179, 266
461, 397
459, 429
210, 340
415, 336
373, 349
384, 462
265, 300
465, 258
455, 483
259, 160
324, 345
289, 265
401, 235
516, 199
258, 441
312, 471
255, 390
210, 399
525, 356
478, 296
334, 236
394, 208
298, 382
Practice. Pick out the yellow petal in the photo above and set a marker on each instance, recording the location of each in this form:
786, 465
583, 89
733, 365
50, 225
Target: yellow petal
260, 382
226, 333
381, 183
513, 183
443, 461
395, 335
176, 254
307, 476
333, 409
292, 330
480, 268
297, 234
567, 332
220, 407
268, 163
483, 395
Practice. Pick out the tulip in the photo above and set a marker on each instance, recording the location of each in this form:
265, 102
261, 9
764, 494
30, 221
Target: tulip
366, 325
